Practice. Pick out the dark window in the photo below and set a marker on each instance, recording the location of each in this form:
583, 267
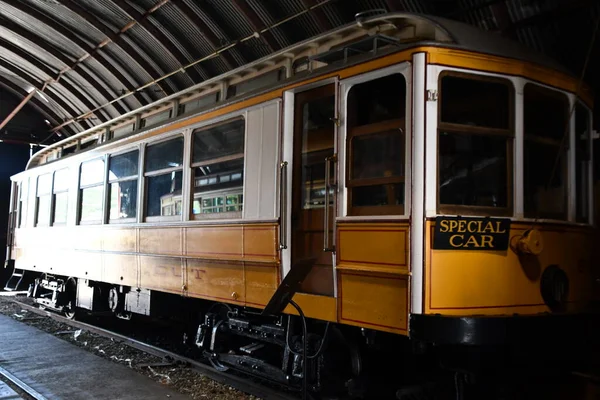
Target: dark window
475, 141
376, 146
61, 197
123, 185
23, 193
583, 141
218, 163
164, 171
43, 200
91, 185
545, 153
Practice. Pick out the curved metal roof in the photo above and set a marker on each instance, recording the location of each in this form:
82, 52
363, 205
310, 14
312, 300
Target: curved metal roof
93, 60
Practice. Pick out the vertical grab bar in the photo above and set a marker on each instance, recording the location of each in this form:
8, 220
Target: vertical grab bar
283, 205
328, 185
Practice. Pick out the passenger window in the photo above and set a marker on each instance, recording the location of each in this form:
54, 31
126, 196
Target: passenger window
475, 142
164, 172
44, 192
91, 185
218, 169
61, 197
23, 192
583, 141
123, 186
545, 156
376, 146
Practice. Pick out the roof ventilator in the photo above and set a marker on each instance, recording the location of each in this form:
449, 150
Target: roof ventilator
369, 44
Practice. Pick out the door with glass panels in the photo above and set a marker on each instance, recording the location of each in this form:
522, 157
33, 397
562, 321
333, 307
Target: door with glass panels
311, 153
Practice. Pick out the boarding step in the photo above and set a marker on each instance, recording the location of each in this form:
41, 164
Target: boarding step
15, 280
252, 348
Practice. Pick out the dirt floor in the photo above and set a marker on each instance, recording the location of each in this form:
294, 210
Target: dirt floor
179, 377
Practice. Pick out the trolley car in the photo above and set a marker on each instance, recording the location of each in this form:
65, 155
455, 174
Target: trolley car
433, 181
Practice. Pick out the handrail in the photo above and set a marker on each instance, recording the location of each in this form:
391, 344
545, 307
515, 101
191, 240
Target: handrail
283, 205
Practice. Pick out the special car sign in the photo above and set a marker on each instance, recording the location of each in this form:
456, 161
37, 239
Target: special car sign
469, 233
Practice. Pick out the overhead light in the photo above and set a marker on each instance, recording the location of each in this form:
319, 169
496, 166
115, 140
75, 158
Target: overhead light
47, 122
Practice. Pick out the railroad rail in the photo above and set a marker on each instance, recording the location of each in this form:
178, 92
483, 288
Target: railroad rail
239, 383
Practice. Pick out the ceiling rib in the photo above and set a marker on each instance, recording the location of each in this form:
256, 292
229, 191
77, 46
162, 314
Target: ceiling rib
68, 109
91, 51
18, 51
116, 37
48, 112
257, 24
208, 34
48, 47
394, 5
319, 15
169, 47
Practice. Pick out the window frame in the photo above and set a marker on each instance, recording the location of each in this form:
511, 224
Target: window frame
566, 141
81, 187
226, 215
458, 129
53, 200
23, 188
590, 201
136, 178
48, 194
343, 145
145, 175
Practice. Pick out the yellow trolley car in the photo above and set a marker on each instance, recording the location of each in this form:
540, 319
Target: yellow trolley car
435, 179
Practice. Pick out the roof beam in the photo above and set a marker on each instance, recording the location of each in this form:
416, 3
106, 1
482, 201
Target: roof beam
257, 24
394, 5
44, 109
168, 45
91, 51
564, 8
116, 37
68, 108
206, 32
18, 51
48, 47
502, 16
319, 14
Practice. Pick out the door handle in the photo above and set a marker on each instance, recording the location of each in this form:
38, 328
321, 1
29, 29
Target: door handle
328, 185
283, 205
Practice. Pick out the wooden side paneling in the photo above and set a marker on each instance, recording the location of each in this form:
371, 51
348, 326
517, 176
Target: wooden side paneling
120, 269
261, 282
163, 241
216, 281
501, 282
122, 240
378, 302
314, 306
260, 243
161, 273
373, 247
215, 242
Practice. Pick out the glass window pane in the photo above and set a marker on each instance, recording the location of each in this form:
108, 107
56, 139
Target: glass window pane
223, 175
545, 198
473, 170
164, 155
582, 160
91, 203
546, 112
44, 184
43, 212
163, 192
378, 195
123, 165
219, 141
123, 199
377, 100
92, 172
475, 102
61, 207
378, 155
61, 180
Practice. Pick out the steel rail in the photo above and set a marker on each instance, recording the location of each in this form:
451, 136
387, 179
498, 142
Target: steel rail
236, 382
22, 385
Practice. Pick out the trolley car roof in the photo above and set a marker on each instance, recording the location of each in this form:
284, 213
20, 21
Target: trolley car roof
93, 61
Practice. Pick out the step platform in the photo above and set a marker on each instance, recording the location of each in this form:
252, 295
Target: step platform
57, 369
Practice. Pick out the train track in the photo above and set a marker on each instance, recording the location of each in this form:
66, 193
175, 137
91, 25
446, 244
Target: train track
239, 383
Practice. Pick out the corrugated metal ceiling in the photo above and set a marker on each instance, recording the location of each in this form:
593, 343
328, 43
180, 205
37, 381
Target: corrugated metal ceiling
89, 52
